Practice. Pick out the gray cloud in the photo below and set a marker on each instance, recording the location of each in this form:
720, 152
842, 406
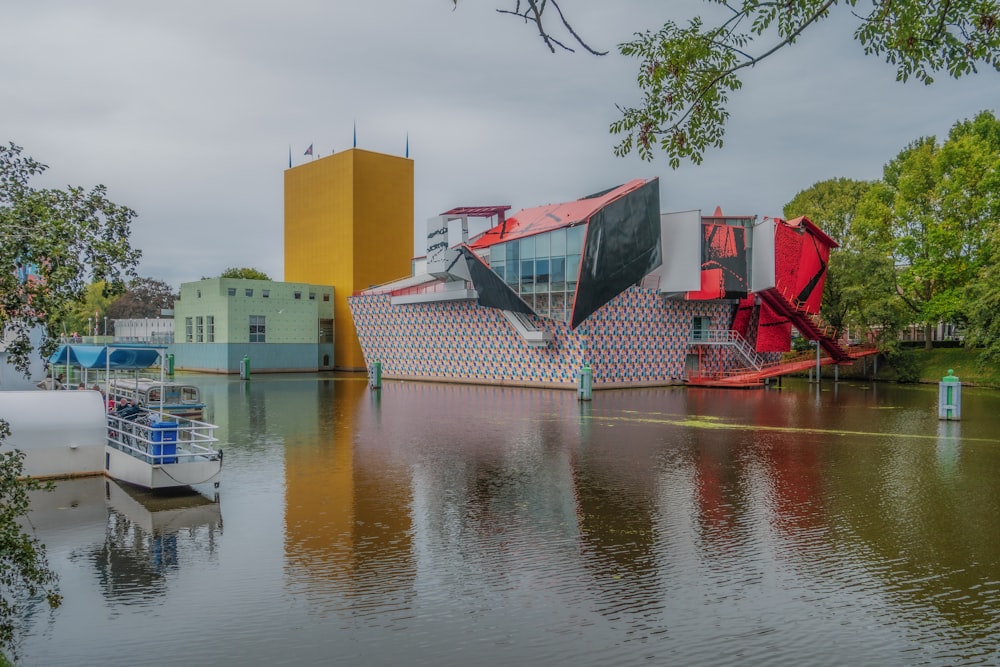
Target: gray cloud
187, 110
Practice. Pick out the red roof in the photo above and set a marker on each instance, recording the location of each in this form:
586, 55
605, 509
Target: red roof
531, 221
803, 221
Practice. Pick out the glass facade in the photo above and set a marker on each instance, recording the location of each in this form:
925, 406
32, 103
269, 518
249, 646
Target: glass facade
542, 268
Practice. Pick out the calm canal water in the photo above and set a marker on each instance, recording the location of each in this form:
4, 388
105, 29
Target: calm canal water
459, 525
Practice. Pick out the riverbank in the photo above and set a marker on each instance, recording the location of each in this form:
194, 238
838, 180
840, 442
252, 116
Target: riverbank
919, 365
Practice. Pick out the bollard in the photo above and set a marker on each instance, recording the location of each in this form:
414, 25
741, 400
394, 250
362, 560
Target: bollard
245, 368
170, 364
950, 397
375, 375
586, 383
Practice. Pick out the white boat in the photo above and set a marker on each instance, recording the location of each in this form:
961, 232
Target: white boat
183, 400
72, 433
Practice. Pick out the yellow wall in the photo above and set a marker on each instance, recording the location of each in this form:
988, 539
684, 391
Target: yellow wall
349, 223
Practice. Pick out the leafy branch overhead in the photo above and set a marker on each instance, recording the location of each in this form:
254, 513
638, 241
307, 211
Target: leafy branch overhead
686, 72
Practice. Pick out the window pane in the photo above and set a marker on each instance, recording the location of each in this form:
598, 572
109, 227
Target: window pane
498, 254
513, 271
572, 268
249, 292
558, 242
513, 251
499, 270
558, 275
231, 291
542, 242
528, 248
574, 239
527, 275
542, 304
541, 275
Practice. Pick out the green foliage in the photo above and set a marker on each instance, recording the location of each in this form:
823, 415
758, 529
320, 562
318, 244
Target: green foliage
831, 205
24, 570
80, 315
71, 238
686, 72
901, 365
246, 273
145, 297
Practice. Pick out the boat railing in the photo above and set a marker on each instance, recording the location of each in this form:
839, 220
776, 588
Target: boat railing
160, 438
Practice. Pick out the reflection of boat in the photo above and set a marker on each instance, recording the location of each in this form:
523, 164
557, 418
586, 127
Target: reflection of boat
157, 513
70, 433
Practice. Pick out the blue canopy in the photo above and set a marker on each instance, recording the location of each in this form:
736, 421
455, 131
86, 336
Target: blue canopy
104, 356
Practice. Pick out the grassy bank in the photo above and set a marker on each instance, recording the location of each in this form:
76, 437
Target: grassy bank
919, 365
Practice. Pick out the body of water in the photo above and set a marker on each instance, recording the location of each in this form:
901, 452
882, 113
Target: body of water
462, 525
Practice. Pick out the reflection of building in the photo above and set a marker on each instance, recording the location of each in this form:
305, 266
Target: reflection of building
606, 281
279, 326
349, 223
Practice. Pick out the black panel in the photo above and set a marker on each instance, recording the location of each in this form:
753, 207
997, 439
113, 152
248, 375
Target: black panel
622, 246
493, 291
724, 249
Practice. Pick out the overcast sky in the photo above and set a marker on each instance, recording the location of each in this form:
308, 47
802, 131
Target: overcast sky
187, 111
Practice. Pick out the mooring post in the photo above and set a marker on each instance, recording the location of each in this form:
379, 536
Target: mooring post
585, 384
950, 397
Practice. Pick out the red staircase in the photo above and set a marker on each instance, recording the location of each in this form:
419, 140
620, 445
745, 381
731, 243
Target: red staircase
811, 326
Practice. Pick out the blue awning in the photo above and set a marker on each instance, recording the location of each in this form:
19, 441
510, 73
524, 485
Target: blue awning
103, 356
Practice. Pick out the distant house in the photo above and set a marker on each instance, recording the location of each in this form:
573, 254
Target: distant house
278, 326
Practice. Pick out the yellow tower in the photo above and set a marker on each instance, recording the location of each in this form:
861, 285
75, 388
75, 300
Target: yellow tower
349, 223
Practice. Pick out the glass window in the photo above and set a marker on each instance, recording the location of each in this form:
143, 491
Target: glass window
572, 271
298, 295
312, 296
231, 291
199, 329
542, 304
513, 251
210, 329
326, 297
498, 254
249, 291
557, 241
542, 242
499, 270
188, 329
513, 271
197, 293
527, 275
574, 239
265, 293
257, 329
558, 274
541, 275
528, 248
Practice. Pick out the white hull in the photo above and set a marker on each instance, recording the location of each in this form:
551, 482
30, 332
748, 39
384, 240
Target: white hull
70, 434
126, 468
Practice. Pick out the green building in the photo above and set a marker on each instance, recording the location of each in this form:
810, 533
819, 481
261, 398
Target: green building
280, 327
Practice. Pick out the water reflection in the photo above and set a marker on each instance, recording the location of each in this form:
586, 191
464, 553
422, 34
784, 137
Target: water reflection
433, 524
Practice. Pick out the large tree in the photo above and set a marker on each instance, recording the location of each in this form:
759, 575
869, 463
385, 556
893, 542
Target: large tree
53, 245
145, 297
934, 213
687, 71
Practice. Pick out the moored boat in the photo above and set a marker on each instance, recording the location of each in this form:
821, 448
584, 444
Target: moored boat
73, 433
